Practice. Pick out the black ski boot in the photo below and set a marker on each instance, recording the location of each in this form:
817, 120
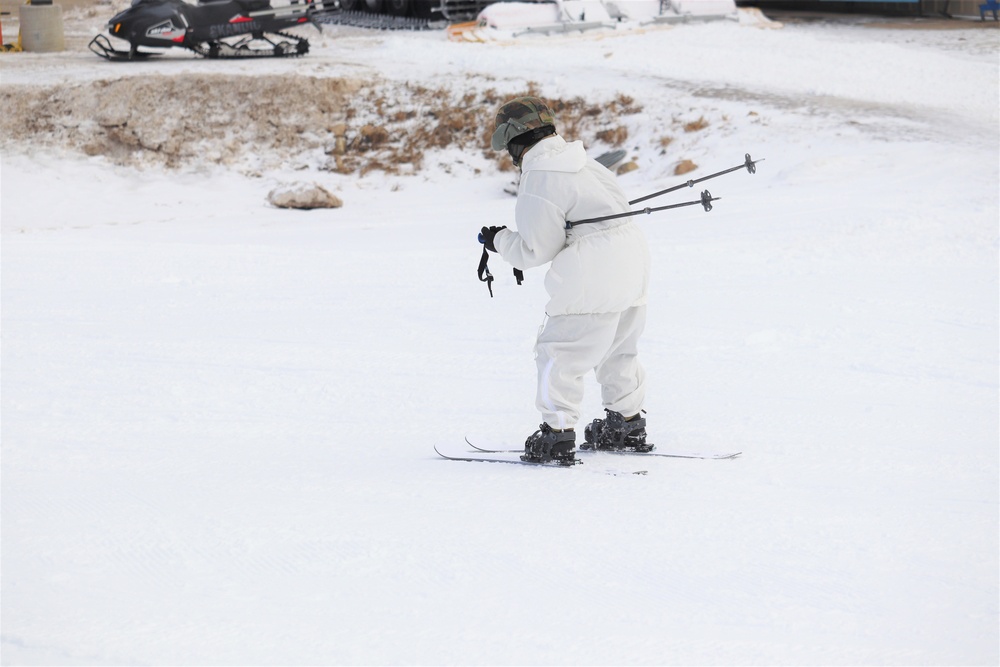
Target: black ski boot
548, 445
617, 433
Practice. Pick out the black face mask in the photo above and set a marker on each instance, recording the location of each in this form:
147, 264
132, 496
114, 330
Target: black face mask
520, 144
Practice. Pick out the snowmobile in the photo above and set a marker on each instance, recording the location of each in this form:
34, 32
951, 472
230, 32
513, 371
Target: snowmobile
212, 28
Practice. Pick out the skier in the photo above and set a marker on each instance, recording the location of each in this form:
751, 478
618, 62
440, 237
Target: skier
597, 283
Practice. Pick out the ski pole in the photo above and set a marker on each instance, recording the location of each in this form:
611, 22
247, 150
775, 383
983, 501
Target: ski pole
748, 164
706, 202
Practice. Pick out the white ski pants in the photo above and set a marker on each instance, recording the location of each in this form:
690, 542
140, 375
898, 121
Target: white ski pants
570, 346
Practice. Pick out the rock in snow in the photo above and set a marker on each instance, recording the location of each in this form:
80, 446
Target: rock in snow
303, 195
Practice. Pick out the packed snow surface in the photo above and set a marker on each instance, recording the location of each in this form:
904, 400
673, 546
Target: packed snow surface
219, 416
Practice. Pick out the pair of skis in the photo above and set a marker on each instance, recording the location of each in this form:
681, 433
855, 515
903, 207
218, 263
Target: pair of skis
482, 454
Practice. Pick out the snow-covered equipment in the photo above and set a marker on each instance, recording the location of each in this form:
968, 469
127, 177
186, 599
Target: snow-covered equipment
681, 11
405, 14
705, 200
562, 16
214, 29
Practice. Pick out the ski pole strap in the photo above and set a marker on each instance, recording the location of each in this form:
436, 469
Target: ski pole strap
705, 201
748, 164
484, 271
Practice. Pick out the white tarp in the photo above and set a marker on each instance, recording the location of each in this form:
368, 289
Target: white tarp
516, 15
704, 7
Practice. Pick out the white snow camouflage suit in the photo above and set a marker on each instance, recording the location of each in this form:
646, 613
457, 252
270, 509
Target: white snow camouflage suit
597, 283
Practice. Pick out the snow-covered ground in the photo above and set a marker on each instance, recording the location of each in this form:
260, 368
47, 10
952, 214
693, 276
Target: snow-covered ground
218, 416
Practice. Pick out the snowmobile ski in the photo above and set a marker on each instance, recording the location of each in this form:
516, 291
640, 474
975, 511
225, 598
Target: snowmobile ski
669, 455
474, 458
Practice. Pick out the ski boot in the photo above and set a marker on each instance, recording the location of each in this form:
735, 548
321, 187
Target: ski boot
617, 433
548, 445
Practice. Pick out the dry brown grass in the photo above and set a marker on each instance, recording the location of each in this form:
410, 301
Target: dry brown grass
359, 126
696, 125
684, 166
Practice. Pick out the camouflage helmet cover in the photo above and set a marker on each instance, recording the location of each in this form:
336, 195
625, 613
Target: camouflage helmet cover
520, 115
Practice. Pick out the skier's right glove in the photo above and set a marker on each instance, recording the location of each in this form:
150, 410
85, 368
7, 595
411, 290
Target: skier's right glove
487, 235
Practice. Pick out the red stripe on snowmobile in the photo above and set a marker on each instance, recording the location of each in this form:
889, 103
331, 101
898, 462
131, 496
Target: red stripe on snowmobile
240, 19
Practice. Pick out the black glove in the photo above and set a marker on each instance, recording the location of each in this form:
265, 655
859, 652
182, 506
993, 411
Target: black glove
487, 234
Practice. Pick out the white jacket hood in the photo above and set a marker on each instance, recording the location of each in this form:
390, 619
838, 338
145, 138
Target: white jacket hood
554, 154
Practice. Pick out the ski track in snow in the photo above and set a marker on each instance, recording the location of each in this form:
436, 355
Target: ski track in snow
218, 417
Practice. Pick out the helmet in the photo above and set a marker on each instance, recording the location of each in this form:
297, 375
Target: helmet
517, 117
